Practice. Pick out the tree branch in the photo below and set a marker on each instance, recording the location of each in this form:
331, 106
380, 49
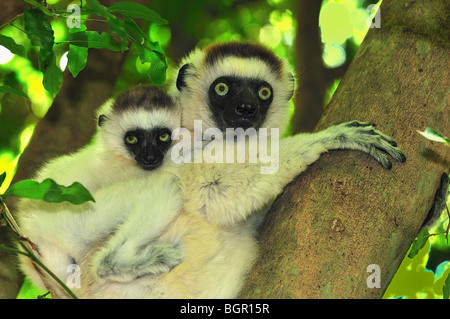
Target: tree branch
311, 77
346, 213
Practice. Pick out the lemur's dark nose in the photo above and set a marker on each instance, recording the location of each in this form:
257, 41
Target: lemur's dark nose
247, 110
150, 159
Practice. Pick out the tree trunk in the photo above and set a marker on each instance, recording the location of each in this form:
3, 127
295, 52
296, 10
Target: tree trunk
345, 212
312, 76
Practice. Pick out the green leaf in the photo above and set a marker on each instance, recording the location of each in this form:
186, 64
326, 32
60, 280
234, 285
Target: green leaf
81, 28
432, 135
92, 39
8, 89
2, 178
77, 56
30, 291
77, 59
134, 33
148, 51
50, 191
115, 25
136, 10
12, 46
446, 288
39, 31
419, 242
52, 75
138, 37
157, 72
41, 7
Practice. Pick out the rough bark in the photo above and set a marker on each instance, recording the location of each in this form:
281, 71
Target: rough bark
345, 212
10, 9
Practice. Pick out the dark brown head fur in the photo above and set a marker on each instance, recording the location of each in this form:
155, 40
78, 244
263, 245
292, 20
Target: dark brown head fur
146, 97
243, 50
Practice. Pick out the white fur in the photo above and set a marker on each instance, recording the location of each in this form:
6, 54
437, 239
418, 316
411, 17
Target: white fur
224, 203
194, 99
214, 231
222, 207
63, 231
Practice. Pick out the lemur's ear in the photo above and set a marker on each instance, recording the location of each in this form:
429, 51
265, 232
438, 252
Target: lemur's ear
181, 76
101, 119
292, 83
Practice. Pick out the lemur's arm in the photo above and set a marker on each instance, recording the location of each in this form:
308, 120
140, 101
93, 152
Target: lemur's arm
126, 218
132, 250
228, 193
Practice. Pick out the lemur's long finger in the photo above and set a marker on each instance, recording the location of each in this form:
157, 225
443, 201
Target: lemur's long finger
393, 151
390, 147
380, 157
398, 155
373, 131
387, 138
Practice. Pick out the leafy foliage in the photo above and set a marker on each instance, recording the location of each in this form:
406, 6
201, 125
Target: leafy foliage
8, 89
419, 242
115, 25
39, 31
149, 52
136, 10
93, 39
37, 21
50, 191
52, 74
38, 27
2, 178
12, 46
432, 135
77, 57
446, 288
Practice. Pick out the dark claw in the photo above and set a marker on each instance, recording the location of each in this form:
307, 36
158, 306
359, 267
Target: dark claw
388, 165
388, 139
396, 154
391, 142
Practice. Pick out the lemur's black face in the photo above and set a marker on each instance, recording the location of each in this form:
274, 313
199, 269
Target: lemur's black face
239, 102
148, 146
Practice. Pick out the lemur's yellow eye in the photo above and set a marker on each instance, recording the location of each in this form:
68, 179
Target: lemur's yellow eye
164, 137
264, 93
221, 89
131, 139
